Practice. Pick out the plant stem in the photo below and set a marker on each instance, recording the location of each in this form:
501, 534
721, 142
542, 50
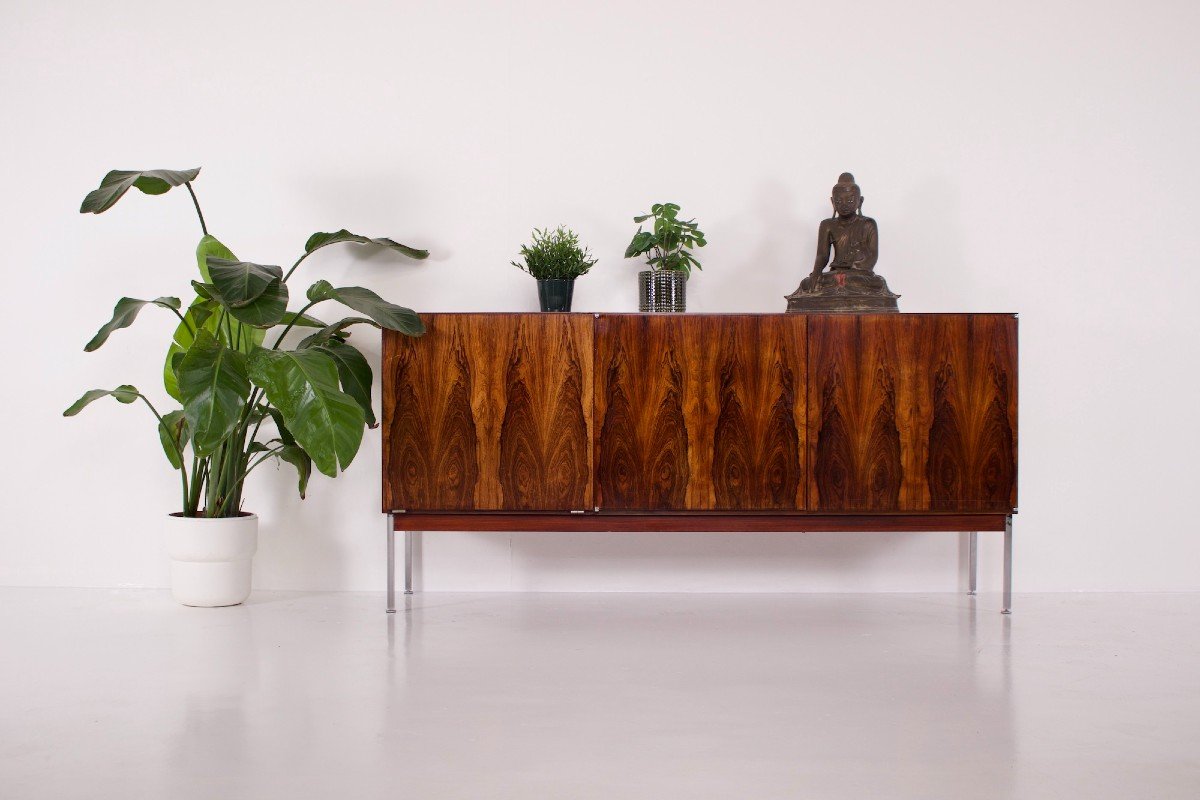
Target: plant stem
174, 446
288, 274
196, 203
268, 454
186, 324
299, 314
199, 468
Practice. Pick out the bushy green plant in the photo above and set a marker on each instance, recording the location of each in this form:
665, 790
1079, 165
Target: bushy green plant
669, 244
315, 398
555, 255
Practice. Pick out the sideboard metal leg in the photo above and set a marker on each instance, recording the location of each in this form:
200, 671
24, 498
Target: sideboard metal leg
391, 564
408, 561
1007, 609
972, 561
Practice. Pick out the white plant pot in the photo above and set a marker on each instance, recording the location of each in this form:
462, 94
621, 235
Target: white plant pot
210, 559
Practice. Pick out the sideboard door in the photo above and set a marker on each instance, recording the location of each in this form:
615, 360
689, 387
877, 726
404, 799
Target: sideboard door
912, 412
489, 412
700, 412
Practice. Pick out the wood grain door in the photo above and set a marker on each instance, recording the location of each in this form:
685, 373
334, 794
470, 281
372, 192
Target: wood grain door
700, 412
912, 412
489, 412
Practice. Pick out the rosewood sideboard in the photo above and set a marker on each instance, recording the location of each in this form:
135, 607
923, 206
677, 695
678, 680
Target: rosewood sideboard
701, 422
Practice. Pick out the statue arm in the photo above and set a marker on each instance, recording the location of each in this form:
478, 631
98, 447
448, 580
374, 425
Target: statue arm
872, 243
823, 246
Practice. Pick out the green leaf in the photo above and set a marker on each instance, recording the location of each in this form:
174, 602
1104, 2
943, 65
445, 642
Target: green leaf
253, 294
321, 290
354, 373
210, 247
117, 182
301, 461
285, 435
303, 385
300, 320
642, 242
642, 218
319, 240
389, 315
337, 329
202, 313
122, 394
240, 282
173, 433
124, 313
214, 388
265, 311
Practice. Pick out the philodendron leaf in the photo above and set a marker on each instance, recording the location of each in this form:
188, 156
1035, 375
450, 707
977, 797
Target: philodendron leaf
267, 309
202, 313
642, 241
264, 311
285, 435
300, 320
319, 240
337, 329
119, 181
173, 433
354, 373
214, 387
388, 315
240, 282
303, 386
299, 459
124, 313
122, 394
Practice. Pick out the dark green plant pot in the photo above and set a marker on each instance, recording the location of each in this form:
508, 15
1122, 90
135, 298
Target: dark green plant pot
662, 290
555, 293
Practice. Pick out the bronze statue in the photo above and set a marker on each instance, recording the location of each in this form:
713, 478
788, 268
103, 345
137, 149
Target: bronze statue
851, 283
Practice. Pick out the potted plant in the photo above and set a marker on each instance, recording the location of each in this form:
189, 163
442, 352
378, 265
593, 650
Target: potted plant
555, 259
668, 249
243, 395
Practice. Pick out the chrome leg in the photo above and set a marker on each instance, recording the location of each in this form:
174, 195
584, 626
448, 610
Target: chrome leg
972, 562
391, 564
1007, 609
408, 561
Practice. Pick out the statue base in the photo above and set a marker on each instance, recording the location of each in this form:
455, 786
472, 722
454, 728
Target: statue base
850, 291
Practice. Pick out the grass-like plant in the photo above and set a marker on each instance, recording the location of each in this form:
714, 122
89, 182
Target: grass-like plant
555, 255
314, 398
669, 245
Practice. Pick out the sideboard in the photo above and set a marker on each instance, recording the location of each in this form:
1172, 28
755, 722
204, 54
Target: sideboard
701, 422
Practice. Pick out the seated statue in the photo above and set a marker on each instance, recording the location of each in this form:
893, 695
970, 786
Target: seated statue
851, 283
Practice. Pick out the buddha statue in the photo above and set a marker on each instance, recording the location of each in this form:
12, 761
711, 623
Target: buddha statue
851, 283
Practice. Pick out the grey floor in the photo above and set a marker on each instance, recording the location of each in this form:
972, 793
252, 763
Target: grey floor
107, 694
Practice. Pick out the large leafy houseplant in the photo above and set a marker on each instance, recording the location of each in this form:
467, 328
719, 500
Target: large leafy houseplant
244, 396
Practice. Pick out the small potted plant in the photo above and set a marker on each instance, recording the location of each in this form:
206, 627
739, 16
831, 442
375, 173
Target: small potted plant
668, 251
244, 398
555, 259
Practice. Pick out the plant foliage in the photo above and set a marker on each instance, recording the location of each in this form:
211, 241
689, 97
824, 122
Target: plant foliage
242, 401
669, 243
555, 255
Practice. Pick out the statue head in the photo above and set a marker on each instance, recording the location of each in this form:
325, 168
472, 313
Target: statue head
847, 199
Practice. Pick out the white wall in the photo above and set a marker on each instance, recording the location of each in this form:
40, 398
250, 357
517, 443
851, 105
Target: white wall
1032, 157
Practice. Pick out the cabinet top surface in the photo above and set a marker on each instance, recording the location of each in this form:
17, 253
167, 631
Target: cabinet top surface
715, 314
